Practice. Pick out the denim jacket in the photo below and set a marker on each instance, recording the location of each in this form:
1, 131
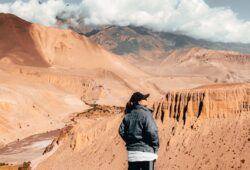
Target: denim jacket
139, 131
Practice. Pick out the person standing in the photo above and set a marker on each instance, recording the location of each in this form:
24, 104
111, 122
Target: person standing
139, 131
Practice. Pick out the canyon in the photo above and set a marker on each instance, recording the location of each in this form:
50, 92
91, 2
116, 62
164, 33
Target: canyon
212, 135
62, 98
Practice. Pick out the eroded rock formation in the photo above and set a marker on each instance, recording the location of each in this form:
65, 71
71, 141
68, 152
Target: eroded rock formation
218, 101
214, 136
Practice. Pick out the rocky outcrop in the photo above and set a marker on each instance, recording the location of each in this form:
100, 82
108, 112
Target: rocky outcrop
69, 131
215, 101
63, 132
214, 143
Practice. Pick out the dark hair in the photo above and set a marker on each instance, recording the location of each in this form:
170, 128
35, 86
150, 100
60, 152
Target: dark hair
129, 106
134, 101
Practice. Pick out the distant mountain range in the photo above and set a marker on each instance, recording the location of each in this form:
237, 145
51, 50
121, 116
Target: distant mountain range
164, 54
62, 97
130, 39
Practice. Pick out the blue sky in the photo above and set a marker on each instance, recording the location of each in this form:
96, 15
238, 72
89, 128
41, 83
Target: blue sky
241, 7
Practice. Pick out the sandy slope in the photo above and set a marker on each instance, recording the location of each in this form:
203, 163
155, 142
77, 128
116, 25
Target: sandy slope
98, 147
52, 53
36, 45
47, 73
66, 51
29, 107
197, 61
57, 48
16, 43
187, 68
216, 144
204, 142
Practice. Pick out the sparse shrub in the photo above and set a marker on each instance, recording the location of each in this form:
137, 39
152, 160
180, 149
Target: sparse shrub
25, 166
3, 164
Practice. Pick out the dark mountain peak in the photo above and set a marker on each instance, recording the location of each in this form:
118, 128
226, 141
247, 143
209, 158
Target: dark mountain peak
124, 40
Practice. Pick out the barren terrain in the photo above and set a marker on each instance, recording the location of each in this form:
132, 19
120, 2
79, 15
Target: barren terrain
62, 98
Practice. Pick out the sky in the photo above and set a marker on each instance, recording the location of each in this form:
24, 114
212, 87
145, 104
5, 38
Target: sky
215, 20
241, 7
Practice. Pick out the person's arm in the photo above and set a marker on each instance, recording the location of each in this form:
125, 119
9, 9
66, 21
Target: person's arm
151, 132
122, 130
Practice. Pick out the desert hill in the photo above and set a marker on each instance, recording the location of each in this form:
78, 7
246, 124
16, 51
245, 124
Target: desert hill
47, 74
177, 69
171, 55
16, 45
214, 135
39, 62
190, 67
63, 51
61, 96
28, 107
230, 66
28, 44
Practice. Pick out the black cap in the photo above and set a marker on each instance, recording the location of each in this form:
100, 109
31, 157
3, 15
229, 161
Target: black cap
137, 96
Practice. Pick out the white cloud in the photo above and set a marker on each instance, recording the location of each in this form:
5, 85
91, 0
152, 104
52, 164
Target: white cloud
190, 17
32, 10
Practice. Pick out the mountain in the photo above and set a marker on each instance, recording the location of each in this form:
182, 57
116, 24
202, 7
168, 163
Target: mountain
172, 55
16, 45
47, 73
62, 97
210, 63
165, 54
130, 39
63, 52
27, 44
37, 45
